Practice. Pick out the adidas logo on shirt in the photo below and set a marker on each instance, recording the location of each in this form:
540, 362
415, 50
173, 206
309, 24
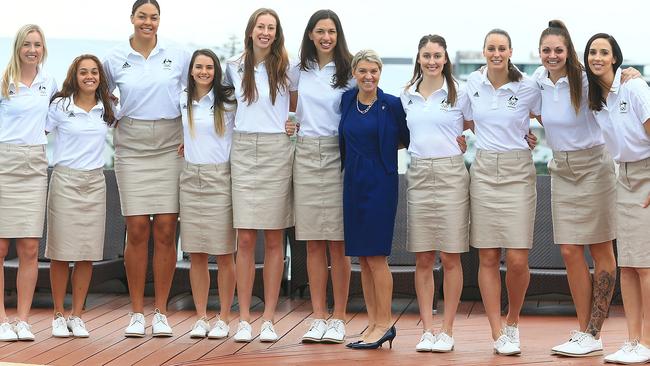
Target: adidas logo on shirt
410, 102
71, 115
541, 87
126, 65
11, 92
476, 94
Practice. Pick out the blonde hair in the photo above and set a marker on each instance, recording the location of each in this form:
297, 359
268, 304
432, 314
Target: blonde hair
13, 70
366, 55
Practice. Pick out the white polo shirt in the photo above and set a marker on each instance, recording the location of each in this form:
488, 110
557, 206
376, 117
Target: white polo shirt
261, 116
319, 104
149, 88
622, 119
79, 136
433, 123
566, 130
23, 114
502, 116
206, 147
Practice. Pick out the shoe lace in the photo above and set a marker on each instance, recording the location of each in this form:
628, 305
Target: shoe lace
21, 324
77, 322
60, 321
267, 326
336, 324
630, 346
135, 319
244, 325
428, 336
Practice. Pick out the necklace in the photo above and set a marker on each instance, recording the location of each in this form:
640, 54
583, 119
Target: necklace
364, 111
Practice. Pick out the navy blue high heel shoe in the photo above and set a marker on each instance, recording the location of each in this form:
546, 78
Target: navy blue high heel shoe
388, 336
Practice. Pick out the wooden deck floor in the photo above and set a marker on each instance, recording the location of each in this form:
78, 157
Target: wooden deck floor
106, 316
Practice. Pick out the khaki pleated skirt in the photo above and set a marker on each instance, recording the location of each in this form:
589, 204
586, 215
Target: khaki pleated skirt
503, 197
583, 196
438, 205
147, 165
206, 209
318, 189
76, 215
633, 229
262, 166
23, 190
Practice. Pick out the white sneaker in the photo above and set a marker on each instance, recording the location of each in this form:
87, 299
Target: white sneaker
316, 331
267, 332
77, 326
60, 327
200, 329
23, 331
631, 353
159, 325
244, 332
443, 343
579, 345
508, 343
219, 330
335, 331
7, 333
136, 326
426, 342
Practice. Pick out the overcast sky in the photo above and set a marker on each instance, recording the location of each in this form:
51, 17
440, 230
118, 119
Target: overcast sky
392, 27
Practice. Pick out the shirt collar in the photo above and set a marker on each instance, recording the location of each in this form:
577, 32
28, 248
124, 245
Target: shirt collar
76, 109
543, 78
40, 78
412, 90
160, 46
512, 86
208, 98
616, 85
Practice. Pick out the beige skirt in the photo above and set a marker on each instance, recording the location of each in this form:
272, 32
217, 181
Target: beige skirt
438, 205
503, 195
206, 209
583, 196
633, 229
76, 215
318, 189
23, 189
147, 165
262, 166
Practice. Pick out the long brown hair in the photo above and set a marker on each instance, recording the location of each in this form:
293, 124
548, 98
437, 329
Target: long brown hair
342, 55
222, 93
573, 66
71, 87
446, 70
276, 62
13, 70
513, 73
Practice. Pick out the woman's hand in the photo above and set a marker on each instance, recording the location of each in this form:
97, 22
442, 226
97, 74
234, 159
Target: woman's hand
291, 127
181, 150
462, 143
629, 74
531, 139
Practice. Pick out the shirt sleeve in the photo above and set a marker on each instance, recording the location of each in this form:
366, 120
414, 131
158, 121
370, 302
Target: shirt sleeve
640, 98
294, 76
186, 56
109, 74
52, 119
227, 77
464, 103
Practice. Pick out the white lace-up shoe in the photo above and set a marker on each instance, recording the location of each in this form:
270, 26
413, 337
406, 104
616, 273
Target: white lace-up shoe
159, 325
200, 329
23, 331
7, 333
136, 326
244, 332
508, 343
267, 332
335, 332
219, 330
60, 327
443, 343
426, 342
631, 353
77, 326
579, 345
316, 331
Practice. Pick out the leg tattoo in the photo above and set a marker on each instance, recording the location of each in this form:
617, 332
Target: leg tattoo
603, 289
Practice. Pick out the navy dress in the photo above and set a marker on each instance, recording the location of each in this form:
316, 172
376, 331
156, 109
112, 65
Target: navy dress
370, 181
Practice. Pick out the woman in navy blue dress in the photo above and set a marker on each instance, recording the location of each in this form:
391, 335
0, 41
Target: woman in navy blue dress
372, 126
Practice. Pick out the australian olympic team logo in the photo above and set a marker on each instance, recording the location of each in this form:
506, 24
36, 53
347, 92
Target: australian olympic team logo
512, 102
184, 106
622, 106
167, 64
212, 110
43, 90
444, 105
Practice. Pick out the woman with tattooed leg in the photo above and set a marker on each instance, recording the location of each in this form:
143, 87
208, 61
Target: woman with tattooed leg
623, 112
